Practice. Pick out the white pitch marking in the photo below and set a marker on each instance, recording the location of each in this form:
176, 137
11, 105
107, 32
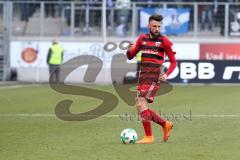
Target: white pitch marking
18, 86
112, 115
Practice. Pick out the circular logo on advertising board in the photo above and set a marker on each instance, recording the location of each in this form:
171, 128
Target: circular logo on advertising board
29, 55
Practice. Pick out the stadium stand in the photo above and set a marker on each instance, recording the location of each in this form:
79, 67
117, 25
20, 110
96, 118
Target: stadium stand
30, 21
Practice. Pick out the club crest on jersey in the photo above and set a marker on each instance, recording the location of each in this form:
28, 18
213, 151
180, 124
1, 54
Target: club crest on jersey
157, 44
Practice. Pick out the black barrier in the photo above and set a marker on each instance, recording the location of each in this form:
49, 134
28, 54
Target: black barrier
195, 71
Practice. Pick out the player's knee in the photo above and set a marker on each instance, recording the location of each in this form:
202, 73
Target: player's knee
141, 108
139, 101
141, 104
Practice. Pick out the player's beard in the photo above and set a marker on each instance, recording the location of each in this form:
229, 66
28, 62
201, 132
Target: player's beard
154, 34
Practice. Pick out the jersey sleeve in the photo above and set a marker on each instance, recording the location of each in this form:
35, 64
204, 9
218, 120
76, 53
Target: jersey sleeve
136, 47
168, 47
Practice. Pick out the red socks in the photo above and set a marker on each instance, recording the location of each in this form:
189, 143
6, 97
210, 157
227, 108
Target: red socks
147, 116
156, 118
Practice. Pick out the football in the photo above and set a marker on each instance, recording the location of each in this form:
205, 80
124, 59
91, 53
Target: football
128, 136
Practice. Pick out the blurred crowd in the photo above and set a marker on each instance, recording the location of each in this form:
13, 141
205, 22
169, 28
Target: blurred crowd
209, 15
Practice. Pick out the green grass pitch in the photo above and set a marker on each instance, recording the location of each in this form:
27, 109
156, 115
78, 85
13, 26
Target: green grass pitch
206, 126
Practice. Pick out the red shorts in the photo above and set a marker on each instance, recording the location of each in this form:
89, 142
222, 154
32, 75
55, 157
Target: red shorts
148, 91
148, 84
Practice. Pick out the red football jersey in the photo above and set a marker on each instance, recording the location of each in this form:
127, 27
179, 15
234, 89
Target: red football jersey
154, 50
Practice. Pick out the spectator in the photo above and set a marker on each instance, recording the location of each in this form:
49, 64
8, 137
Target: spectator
109, 14
54, 59
59, 8
207, 11
50, 8
25, 10
123, 14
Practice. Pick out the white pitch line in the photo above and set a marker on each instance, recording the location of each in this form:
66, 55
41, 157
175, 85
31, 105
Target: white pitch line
120, 115
11, 87
46, 115
216, 115
28, 115
18, 86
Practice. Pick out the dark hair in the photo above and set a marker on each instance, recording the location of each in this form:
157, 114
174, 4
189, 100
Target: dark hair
155, 17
